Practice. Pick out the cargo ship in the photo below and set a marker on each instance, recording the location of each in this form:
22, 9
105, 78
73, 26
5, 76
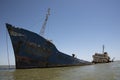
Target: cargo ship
34, 51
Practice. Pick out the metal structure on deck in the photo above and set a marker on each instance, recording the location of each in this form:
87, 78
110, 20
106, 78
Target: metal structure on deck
42, 31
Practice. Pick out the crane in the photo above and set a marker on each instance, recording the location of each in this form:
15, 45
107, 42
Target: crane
42, 31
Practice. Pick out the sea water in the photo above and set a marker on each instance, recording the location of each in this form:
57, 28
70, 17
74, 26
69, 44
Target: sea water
107, 71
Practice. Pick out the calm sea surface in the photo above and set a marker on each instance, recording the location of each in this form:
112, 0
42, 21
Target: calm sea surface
109, 71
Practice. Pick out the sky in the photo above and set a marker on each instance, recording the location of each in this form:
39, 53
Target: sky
75, 26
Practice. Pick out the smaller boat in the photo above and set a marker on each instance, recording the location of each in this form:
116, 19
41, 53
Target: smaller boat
101, 58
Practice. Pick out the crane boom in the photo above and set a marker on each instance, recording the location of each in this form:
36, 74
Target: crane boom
42, 31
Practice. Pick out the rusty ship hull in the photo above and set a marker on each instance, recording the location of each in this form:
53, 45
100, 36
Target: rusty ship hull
33, 51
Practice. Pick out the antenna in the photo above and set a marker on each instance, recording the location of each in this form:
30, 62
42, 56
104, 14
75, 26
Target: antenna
42, 31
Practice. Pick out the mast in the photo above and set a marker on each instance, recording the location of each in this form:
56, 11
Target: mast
103, 47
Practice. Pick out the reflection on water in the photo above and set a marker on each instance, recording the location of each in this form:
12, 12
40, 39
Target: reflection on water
109, 71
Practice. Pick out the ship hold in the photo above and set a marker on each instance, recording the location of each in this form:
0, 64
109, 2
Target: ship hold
33, 51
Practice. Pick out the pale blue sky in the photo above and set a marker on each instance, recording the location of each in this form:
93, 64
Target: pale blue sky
75, 26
